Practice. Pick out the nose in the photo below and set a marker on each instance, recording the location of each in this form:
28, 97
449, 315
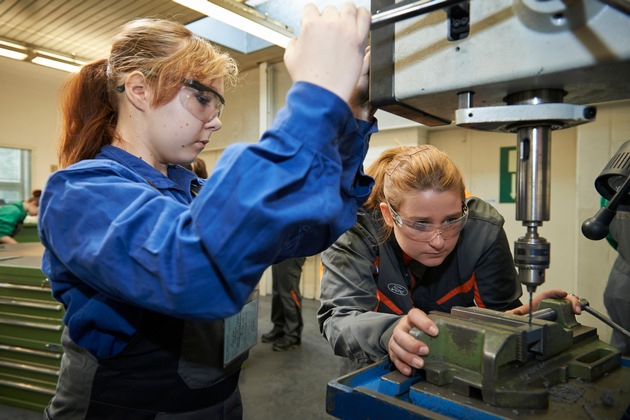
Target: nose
437, 242
214, 124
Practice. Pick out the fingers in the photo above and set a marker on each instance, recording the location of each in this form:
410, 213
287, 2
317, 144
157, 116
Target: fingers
406, 351
561, 294
309, 12
365, 70
364, 21
521, 310
419, 319
360, 100
554, 294
329, 51
348, 10
360, 17
550, 294
575, 303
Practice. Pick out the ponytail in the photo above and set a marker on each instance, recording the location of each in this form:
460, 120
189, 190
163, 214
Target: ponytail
378, 170
88, 119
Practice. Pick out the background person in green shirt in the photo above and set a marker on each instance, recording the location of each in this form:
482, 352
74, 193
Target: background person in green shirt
12, 216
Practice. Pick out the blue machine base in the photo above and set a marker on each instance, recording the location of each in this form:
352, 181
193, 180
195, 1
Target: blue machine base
366, 394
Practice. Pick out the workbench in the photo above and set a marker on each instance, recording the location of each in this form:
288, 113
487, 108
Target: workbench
28, 233
30, 329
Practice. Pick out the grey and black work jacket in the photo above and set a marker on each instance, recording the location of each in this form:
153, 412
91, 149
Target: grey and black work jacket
368, 284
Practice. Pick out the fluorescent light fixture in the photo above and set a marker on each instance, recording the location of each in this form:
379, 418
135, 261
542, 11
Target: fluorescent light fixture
5, 52
56, 64
27, 53
243, 18
14, 51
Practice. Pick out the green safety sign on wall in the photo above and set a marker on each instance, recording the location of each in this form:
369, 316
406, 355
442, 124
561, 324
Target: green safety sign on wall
507, 178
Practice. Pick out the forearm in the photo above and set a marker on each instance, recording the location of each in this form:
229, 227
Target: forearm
348, 300
7, 240
311, 189
359, 336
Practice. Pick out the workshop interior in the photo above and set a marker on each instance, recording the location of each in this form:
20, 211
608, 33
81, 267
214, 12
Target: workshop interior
448, 72
527, 68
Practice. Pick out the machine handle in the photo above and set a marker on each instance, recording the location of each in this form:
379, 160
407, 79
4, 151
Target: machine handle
415, 8
585, 307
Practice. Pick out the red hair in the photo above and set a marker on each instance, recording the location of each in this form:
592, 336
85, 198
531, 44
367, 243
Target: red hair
165, 52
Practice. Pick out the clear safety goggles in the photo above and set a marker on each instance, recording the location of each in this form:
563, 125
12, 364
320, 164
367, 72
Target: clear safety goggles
203, 102
426, 232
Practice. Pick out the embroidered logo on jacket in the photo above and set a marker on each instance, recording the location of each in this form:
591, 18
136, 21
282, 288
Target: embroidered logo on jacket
397, 289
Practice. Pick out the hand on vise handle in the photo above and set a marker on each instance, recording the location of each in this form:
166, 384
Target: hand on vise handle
549, 294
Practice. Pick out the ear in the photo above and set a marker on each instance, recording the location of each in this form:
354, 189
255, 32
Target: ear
387, 215
137, 90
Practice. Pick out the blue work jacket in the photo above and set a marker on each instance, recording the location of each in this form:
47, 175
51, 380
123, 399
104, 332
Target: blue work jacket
122, 238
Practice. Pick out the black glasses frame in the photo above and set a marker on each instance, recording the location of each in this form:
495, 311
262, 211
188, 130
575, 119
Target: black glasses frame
193, 84
203, 88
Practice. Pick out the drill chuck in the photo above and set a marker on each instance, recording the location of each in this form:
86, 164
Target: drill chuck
531, 257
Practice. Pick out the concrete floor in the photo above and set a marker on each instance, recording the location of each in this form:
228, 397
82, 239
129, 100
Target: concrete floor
274, 385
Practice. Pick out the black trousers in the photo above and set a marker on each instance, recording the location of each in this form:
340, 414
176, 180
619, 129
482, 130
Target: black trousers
171, 369
286, 303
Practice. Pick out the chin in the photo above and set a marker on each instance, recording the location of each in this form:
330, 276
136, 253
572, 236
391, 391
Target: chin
432, 261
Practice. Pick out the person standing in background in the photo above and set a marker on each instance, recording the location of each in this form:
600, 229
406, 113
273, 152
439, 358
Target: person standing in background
286, 306
12, 216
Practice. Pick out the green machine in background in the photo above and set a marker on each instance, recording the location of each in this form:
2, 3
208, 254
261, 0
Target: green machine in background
30, 329
28, 233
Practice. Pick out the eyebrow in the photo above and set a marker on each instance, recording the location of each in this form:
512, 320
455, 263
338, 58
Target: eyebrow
203, 88
424, 219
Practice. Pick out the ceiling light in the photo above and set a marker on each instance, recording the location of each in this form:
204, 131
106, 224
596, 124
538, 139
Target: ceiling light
242, 17
11, 50
45, 58
55, 63
5, 52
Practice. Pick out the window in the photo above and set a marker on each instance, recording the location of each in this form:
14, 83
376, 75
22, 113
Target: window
15, 174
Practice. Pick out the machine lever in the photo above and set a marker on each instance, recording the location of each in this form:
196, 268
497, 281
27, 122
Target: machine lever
585, 307
411, 9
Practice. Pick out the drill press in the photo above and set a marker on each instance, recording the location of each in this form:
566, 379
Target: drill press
532, 115
521, 60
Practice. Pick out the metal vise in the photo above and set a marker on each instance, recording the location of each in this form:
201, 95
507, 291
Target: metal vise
505, 361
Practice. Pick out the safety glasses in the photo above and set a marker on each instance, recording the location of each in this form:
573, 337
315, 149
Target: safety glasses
203, 102
426, 232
